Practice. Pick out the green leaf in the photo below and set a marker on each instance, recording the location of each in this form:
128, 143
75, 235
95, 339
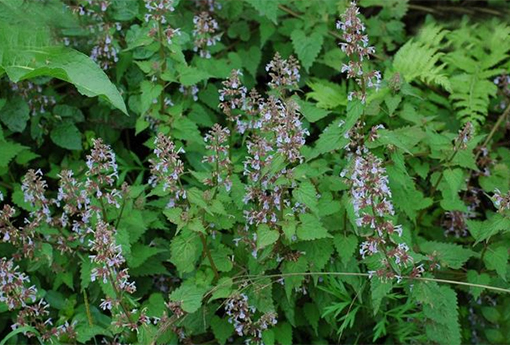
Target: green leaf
15, 114
66, 135
266, 236
307, 195
8, 151
312, 315
189, 76
380, 289
311, 228
311, 112
266, 8
448, 254
185, 250
346, 246
28, 329
222, 329
140, 253
251, 59
475, 278
190, 295
317, 253
496, 258
307, 47
327, 94
440, 306
62, 63
283, 333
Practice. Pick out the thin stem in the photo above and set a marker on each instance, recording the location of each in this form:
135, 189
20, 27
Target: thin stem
121, 212
207, 252
87, 308
118, 294
493, 130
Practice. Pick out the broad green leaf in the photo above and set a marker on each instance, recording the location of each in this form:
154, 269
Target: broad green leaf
496, 258
311, 228
379, 289
21, 62
448, 254
475, 278
346, 246
9, 150
140, 253
327, 94
311, 112
266, 8
190, 295
66, 135
222, 329
266, 236
15, 114
306, 194
185, 250
307, 46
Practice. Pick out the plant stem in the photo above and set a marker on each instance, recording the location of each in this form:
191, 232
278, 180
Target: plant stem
207, 253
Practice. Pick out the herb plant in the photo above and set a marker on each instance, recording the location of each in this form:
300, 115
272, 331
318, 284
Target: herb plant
249, 171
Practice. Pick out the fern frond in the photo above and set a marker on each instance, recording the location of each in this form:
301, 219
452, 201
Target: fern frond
418, 59
473, 64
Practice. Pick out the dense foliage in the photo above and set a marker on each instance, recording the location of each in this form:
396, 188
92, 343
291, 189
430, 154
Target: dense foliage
259, 171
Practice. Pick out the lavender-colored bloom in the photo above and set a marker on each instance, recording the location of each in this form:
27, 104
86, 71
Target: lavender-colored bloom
205, 34
356, 47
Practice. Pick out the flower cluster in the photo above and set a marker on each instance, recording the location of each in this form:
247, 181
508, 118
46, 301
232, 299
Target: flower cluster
356, 47
501, 201
373, 208
15, 294
12, 286
33, 94
240, 314
233, 96
465, 135
167, 168
205, 34
158, 10
108, 255
216, 142
262, 191
34, 188
283, 72
104, 53
189, 91
503, 83
104, 50
109, 260
284, 120
209, 5
102, 173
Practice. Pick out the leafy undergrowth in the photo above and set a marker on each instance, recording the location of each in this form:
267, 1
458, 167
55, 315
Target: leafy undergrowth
268, 172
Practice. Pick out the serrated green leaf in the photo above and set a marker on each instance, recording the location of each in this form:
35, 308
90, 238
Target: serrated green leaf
448, 254
307, 47
346, 246
496, 258
190, 295
67, 136
311, 228
185, 250
266, 236
9, 150
15, 114
222, 329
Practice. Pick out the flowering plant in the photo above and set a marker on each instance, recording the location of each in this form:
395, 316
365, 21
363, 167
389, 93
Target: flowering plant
260, 172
